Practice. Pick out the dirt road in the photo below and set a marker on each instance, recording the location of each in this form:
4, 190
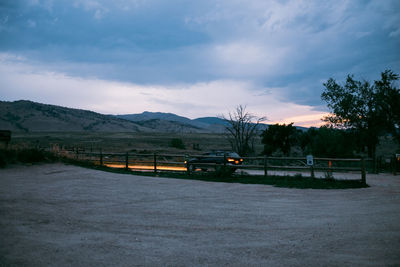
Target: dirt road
59, 215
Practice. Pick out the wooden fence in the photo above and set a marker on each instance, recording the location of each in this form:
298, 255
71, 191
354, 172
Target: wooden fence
176, 162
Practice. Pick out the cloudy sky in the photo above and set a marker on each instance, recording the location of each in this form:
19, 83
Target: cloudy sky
193, 58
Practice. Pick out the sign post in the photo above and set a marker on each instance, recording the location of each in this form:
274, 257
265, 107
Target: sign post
310, 162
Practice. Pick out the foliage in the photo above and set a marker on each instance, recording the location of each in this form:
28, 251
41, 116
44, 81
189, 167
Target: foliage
320, 142
222, 172
296, 181
177, 143
31, 156
369, 109
5, 156
389, 102
242, 128
328, 142
24, 156
329, 175
281, 137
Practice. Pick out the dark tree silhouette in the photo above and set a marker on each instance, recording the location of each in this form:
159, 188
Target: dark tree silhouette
281, 137
371, 110
328, 142
242, 128
388, 96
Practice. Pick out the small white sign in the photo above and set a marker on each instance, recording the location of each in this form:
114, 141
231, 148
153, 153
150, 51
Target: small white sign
310, 160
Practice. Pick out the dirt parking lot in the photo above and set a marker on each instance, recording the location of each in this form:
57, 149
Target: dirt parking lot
60, 215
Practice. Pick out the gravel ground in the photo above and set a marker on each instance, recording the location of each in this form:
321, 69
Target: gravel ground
60, 215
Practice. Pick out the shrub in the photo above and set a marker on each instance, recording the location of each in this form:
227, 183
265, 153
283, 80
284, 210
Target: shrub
177, 143
328, 175
222, 172
30, 155
25, 156
3, 158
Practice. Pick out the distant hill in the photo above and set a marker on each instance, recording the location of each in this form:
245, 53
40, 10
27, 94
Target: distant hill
169, 121
203, 124
165, 122
28, 116
211, 120
145, 116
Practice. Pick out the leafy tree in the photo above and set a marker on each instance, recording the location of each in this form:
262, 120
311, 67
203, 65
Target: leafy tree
281, 137
328, 142
370, 110
388, 96
242, 128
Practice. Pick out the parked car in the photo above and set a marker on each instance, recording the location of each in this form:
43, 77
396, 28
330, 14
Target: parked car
232, 159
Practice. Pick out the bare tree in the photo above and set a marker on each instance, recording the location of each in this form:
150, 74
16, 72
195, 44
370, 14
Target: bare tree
242, 128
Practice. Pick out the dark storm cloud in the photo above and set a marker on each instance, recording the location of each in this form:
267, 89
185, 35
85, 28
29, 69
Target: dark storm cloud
293, 45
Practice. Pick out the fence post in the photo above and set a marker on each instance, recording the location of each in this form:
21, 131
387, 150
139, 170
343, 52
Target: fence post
393, 163
312, 171
265, 166
155, 163
187, 165
101, 157
363, 175
310, 162
224, 170
330, 169
126, 161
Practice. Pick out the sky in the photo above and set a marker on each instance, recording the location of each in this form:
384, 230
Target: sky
193, 58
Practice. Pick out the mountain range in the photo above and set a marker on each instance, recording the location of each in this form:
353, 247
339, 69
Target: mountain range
28, 116
155, 120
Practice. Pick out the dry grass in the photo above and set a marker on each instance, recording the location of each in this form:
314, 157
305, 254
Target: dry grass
124, 142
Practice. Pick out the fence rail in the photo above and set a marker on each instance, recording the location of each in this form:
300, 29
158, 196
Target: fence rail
176, 162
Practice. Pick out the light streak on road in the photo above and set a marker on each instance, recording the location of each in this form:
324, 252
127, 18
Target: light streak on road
147, 167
